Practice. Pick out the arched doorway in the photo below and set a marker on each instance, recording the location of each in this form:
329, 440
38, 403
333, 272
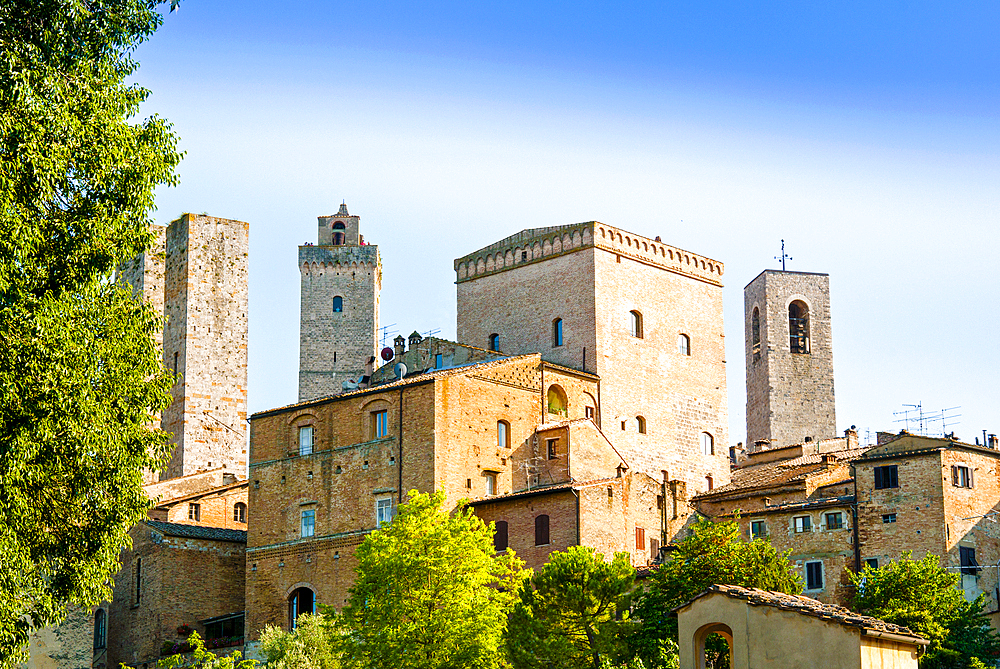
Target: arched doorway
713, 646
302, 600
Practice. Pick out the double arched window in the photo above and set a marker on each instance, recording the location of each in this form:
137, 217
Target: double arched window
302, 600
239, 512
798, 327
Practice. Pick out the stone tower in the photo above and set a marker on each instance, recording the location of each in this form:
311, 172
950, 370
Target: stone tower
195, 274
338, 325
789, 358
646, 317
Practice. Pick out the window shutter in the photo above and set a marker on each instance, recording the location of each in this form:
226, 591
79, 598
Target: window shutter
541, 530
954, 475
500, 537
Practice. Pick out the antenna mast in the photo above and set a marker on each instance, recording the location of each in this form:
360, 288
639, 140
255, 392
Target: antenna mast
784, 256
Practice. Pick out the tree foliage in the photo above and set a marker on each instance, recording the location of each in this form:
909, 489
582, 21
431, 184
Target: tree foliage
430, 592
572, 611
924, 596
80, 377
201, 658
714, 553
311, 645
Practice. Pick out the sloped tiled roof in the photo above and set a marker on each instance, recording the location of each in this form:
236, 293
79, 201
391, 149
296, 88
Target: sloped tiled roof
173, 501
198, 531
810, 607
540, 490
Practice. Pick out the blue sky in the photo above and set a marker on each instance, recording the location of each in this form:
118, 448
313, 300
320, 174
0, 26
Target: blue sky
865, 134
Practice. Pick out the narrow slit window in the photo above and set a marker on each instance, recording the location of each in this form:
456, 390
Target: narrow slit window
635, 324
640, 424
503, 434
557, 332
494, 342
684, 344
755, 333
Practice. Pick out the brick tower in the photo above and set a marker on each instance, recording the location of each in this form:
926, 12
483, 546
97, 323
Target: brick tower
195, 274
338, 325
646, 317
789, 358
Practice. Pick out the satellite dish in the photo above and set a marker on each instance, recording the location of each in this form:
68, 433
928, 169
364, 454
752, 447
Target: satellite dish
387, 354
400, 370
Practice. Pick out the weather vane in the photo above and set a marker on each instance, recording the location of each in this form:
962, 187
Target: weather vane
784, 256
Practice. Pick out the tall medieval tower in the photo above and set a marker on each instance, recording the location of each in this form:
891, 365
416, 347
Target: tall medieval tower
195, 275
789, 358
338, 324
644, 316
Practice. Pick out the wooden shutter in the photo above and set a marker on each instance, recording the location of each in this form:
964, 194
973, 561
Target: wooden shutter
541, 530
500, 536
640, 538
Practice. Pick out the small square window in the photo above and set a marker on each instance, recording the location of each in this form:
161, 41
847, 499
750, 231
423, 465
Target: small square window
872, 562
758, 529
888, 518
886, 477
194, 512
961, 476
834, 521
550, 448
802, 524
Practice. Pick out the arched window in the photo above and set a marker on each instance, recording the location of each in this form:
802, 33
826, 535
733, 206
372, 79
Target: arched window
557, 400
707, 444
500, 536
503, 434
640, 424
755, 333
302, 600
239, 512
635, 324
100, 629
557, 332
684, 344
541, 530
338, 304
339, 238
494, 342
798, 327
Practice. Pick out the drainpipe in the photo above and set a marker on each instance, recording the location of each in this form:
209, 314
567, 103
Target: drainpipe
399, 448
576, 493
598, 402
854, 520
542, 367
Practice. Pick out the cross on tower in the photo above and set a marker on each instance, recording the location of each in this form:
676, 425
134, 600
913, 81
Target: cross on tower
784, 256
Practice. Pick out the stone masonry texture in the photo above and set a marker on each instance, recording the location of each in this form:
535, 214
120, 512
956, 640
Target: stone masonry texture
789, 395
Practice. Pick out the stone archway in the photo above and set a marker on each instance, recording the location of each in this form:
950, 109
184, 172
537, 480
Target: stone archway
701, 636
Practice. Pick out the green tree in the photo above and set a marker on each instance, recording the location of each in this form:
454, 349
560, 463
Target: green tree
714, 553
80, 377
570, 613
203, 659
311, 645
924, 596
430, 591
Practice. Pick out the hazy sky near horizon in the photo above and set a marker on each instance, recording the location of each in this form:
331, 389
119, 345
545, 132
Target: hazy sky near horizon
864, 134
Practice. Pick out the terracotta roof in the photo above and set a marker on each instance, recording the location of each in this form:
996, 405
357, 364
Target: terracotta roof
198, 531
172, 501
913, 444
541, 490
813, 608
781, 473
417, 379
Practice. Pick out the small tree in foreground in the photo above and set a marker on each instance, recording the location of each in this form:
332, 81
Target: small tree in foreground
311, 645
203, 659
923, 595
714, 553
572, 612
430, 592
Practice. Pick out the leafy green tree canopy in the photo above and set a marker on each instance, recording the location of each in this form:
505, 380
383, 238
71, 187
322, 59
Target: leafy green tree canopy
924, 596
311, 645
430, 591
204, 659
714, 553
80, 376
570, 612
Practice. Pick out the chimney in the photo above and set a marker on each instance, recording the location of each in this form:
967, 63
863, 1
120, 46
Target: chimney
400, 344
992, 441
415, 339
829, 459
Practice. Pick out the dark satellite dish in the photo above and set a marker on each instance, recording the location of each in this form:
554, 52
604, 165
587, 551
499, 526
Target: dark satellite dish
387, 354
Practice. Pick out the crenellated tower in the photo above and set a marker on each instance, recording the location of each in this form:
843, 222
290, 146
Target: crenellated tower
338, 326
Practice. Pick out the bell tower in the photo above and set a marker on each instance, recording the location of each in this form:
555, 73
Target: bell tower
789, 358
338, 323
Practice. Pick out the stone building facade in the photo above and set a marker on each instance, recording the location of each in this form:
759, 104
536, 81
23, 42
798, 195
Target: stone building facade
789, 358
341, 284
644, 316
196, 276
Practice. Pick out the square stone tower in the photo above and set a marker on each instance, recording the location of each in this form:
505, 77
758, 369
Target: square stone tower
338, 323
195, 274
789, 358
644, 316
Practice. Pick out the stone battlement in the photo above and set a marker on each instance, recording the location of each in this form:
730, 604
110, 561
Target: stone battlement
331, 256
537, 244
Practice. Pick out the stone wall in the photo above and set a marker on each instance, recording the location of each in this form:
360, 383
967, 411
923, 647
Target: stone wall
790, 396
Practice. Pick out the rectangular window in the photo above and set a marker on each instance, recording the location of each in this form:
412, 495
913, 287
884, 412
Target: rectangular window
308, 523
758, 529
500, 536
968, 557
872, 562
491, 483
886, 477
802, 523
503, 434
138, 582
888, 518
654, 548
306, 440
640, 538
383, 511
814, 575
588, 412
194, 512
961, 476
380, 424
834, 521
550, 447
